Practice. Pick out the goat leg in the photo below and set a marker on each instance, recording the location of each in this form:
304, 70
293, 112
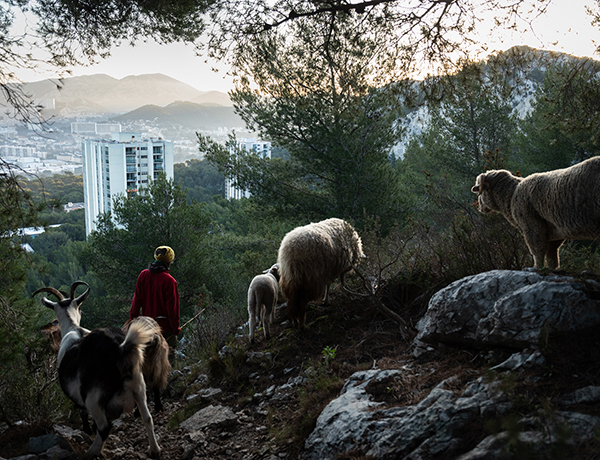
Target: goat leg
85, 422
158, 406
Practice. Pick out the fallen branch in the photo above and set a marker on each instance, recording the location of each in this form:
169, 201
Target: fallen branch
370, 294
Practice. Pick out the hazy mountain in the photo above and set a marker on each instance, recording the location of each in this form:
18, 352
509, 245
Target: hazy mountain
104, 94
214, 98
187, 114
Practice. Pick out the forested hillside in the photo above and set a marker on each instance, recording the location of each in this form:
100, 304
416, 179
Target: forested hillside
414, 213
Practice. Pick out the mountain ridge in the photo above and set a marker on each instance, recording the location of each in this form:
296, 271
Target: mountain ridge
187, 114
105, 94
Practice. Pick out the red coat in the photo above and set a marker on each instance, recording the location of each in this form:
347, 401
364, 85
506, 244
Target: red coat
156, 295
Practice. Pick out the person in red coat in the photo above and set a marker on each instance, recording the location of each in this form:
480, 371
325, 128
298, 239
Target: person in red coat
156, 295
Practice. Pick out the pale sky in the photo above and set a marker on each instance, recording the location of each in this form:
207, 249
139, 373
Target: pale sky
566, 27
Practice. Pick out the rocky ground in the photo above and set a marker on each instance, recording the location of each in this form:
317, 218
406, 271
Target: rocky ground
261, 401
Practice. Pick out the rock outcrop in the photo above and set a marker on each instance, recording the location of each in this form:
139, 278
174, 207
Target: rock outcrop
499, 308
514, 309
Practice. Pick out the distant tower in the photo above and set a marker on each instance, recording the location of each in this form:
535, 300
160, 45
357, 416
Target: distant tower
122, 165
263, 149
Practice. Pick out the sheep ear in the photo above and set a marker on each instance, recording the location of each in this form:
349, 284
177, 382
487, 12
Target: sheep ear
481, 184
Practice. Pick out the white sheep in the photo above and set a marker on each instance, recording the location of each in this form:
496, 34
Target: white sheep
311, 258
262, 299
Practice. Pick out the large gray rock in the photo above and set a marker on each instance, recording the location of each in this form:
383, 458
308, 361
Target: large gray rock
353, 422
540, 443
508, 308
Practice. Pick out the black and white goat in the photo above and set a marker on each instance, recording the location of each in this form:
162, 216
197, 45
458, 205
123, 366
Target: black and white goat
101, 370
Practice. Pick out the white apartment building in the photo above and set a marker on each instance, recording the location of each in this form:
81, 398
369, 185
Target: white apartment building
120, 166
91, 128
263, 149
20, 151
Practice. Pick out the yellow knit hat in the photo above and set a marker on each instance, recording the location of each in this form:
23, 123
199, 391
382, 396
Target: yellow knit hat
164, 254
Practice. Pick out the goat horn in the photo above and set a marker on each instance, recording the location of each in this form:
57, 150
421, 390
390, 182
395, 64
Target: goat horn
59, 295
83, 296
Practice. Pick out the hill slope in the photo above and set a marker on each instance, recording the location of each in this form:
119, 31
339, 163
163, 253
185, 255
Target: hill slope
104, 94
186, 114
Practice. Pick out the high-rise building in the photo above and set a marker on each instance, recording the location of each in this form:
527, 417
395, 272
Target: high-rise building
120, 166
91, 128
261, 148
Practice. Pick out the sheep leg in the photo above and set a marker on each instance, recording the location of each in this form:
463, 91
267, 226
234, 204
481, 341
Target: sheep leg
251, 317
266, 320
263, 314
297, 312
326, 296
271, 316
140, 400
536, 240
302, 314
552, 258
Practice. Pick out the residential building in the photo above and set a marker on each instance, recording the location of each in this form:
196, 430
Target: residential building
91, 128
20, 151
261, 148
120, 166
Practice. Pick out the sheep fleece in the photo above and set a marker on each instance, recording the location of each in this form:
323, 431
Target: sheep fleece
312, 257
548, 207
262, 300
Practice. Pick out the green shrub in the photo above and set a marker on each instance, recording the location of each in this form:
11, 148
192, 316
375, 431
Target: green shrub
578, 256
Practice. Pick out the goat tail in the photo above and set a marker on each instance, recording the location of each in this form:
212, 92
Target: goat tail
140, 333
156, 363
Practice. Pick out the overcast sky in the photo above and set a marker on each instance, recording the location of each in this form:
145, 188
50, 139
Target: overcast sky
566, 27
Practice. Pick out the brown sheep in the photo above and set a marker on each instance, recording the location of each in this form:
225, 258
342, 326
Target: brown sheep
547, 208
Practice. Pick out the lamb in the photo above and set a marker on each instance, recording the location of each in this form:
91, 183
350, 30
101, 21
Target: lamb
262, 300
310, 258
547, 208
101, 370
